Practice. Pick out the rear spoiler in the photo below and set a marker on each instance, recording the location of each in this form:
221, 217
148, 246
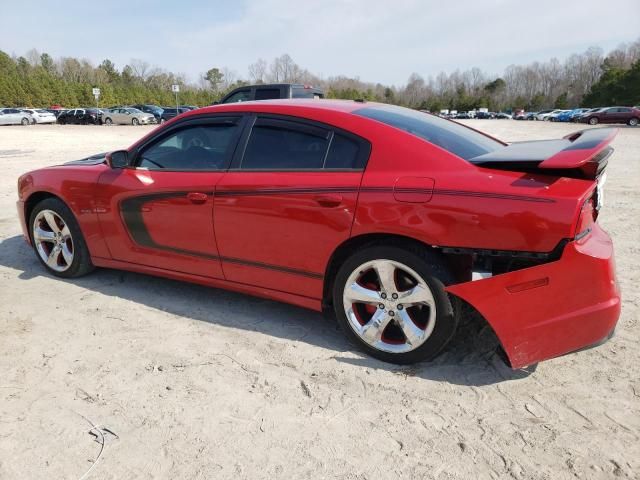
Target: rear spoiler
582, 154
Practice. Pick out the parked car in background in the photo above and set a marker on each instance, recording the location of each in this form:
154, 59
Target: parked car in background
543, 114
519, 114
578, 118
531, 116
128, 116
168, 113
154, 110
503, 116
40, 115
569, 115
462, 116
553, 116
81, 116
272, 91
14, 116
485, 115
189, 107
323, 206
628, 115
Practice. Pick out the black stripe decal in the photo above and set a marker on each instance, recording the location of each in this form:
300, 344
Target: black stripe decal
131, 209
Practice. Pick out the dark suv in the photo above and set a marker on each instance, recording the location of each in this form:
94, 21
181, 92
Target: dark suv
628, 115
81, 116
271, 91
168, 113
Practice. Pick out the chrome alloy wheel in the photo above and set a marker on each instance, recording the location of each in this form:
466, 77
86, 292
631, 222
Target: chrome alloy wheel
389, 306
52, 239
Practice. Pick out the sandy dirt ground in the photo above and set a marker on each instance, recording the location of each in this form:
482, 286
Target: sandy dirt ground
200, 383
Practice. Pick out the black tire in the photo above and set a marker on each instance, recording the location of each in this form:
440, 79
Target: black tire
633, 121
436, 275
25, 121
81, 264
135, 122
593, 121
108, 121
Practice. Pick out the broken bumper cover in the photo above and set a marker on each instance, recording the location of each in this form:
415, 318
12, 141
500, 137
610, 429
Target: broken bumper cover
548, 310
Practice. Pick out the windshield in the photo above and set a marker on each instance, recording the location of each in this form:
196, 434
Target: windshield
451, 136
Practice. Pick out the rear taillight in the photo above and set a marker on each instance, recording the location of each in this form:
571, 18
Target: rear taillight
588, 216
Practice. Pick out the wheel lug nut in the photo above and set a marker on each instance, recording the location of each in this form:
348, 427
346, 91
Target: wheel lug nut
400, 307
394, 296
381, 306
392, 313
383, 295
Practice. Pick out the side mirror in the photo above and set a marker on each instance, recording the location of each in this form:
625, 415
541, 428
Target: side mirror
118, 159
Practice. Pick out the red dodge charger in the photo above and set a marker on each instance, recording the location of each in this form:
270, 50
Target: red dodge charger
390, 217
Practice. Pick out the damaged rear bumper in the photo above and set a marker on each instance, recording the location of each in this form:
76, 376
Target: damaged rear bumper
551, 309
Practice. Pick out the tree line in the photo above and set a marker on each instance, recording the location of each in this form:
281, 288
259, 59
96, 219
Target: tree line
590, 78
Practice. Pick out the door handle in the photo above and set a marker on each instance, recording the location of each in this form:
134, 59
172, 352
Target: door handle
331, 200
197, 197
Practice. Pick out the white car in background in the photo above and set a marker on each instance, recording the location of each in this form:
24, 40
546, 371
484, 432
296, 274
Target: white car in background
39, 115
14, 116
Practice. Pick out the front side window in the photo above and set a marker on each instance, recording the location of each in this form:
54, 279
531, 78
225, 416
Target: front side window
451, 136
284, 145
241, 96
196, 147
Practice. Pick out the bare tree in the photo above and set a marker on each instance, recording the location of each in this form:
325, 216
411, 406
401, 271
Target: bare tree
258, 71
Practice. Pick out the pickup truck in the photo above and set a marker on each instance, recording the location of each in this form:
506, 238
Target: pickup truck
271, 91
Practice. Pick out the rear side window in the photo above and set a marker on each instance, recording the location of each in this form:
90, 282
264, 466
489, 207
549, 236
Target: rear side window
344, 153
267, 93
453, 137
284, 145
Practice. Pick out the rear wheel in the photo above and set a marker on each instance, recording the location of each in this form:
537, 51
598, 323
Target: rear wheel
57, 239
391, 302
593, 121
633, 121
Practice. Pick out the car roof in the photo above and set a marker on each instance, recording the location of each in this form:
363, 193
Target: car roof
343, 106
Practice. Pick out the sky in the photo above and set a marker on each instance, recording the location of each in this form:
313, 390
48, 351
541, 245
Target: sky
374, 40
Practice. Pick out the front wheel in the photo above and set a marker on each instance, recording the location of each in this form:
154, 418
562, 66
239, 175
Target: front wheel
593, 121
134, 122
108, 121
57, 239
391, 302
633, 121
25, 121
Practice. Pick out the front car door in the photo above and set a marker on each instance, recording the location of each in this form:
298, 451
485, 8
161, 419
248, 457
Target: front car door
287, 202
159, 211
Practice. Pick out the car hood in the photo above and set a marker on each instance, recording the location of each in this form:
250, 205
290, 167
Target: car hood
96, 159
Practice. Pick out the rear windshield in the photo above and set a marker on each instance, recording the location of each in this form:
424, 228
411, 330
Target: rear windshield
453, 137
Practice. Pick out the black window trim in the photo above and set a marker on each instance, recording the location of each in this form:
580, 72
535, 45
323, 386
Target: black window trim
364, 146
230, 118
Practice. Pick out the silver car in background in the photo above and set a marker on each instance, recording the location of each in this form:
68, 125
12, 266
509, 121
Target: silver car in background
39, 115
14, 116
127, 116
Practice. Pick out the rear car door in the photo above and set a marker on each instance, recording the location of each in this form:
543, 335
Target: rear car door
159, 211
287, 202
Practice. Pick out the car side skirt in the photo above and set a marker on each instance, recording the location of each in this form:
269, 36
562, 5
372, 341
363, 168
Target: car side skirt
277, 295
